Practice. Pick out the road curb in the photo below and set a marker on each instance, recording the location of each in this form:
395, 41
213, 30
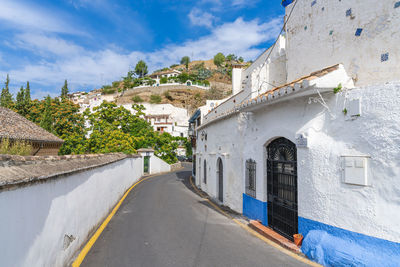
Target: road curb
253, 232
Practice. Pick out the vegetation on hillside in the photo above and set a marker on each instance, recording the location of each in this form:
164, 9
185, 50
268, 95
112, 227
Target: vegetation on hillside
198, 72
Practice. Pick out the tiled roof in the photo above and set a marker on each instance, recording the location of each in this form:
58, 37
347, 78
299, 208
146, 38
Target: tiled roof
15, 126
298, 86
302, 82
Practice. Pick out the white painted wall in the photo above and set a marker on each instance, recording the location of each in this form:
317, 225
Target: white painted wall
34, 219
236, 79
157, 165
322, 196
178, 115
321, 35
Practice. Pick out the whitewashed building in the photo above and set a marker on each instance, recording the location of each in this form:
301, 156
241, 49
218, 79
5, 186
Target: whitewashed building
166, 118
309, 142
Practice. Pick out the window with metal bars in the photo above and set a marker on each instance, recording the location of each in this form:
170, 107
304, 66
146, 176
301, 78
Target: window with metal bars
251, 178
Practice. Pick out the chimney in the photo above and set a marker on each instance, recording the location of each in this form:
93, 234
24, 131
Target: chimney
237, 70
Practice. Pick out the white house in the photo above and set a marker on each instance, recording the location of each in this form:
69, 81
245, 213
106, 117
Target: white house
309, 142
166, 118
164, 74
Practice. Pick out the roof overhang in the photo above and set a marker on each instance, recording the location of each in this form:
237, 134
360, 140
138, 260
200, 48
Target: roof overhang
194, 116
319, 82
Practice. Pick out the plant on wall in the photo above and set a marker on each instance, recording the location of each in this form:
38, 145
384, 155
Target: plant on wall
337, 89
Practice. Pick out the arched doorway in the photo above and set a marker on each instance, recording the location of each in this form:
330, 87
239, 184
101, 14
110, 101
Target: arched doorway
282, 187
220, 175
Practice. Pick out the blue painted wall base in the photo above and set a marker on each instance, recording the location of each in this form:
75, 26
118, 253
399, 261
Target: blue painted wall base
255, 209
333, 246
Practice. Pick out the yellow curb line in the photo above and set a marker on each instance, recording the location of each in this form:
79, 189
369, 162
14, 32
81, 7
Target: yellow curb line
251, 231
98, 232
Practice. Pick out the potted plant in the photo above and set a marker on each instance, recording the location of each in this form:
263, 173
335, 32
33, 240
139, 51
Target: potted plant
298, 239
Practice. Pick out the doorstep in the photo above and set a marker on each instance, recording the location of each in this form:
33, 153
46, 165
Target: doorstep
274, 236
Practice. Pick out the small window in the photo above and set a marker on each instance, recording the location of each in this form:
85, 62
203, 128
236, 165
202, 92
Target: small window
205, 172
251, 178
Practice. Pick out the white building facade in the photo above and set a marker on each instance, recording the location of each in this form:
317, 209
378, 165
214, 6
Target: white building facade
166, 118
310, 141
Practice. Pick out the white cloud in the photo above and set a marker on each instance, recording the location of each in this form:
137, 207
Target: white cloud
28, 17
94, 68
199, 18
44, 45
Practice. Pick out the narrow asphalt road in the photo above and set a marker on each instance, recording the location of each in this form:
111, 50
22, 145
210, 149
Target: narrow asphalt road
163, 223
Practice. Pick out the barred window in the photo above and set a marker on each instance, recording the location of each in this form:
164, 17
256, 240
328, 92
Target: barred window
251, 178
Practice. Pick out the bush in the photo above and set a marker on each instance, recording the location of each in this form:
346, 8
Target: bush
109, 91
164, 80
155, 99
115, 84
21, 148
168, 96
214, 93
137, 99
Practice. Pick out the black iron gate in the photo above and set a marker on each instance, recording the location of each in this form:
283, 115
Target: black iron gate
282, 187
220, 181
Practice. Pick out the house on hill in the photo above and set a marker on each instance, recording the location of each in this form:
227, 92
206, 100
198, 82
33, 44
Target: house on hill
167, 73
17, 128
309, 141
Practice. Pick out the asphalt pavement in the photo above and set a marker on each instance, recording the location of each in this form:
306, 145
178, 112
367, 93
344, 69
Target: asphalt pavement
163, 222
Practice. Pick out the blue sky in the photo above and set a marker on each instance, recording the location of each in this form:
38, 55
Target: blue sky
94, 42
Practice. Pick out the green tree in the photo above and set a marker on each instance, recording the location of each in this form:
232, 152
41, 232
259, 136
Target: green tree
141, 69
27, 95
185, 61
219, 59
240, 59
20, 101
6, 97
47, 119
116, 129
231, 57
64, 90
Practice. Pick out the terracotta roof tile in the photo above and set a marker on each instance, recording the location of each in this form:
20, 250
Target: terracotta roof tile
15, 126
312, 76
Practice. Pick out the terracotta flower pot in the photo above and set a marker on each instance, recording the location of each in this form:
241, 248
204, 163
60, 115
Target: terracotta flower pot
298, 239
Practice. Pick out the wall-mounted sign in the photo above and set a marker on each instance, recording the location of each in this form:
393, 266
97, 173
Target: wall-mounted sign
301, 141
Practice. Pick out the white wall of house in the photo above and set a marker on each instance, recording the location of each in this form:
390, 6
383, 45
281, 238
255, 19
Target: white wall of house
178, 116
37, 218
322, 194
321, 35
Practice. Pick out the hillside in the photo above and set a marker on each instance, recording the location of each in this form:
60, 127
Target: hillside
174, 90
183, 96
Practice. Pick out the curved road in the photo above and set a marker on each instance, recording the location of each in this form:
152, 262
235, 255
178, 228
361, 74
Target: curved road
163, 223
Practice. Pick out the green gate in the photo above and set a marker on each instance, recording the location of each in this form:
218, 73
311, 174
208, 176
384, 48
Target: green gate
146, 166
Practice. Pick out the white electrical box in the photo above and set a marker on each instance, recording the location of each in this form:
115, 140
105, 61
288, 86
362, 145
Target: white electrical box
354, 108
356, 170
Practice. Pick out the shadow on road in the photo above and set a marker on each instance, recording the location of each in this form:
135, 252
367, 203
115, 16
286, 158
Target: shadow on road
184, 176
